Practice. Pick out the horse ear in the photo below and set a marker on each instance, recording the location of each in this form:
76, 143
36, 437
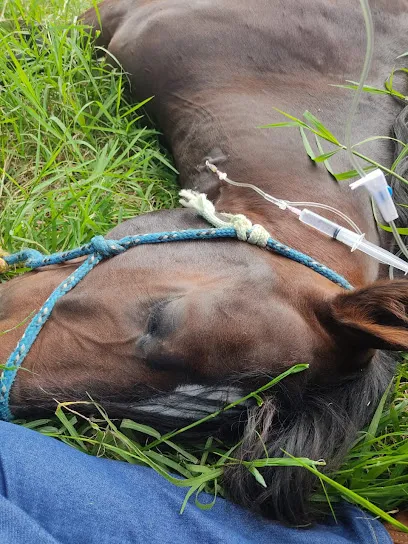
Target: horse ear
375, 316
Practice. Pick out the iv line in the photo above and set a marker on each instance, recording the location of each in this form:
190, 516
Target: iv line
368, 20
354, 240
282, 204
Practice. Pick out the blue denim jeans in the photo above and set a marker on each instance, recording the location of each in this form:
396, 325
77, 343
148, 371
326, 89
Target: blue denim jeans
51, 493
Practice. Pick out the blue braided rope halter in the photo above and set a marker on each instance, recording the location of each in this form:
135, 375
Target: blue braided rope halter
99, 249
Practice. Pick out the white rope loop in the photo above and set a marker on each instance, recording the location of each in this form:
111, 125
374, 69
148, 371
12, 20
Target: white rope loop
258, 235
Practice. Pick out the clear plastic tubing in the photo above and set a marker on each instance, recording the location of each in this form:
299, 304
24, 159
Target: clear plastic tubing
368, 20
351, 239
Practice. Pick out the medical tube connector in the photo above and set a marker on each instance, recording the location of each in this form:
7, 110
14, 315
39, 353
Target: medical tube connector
379, 189
352, 239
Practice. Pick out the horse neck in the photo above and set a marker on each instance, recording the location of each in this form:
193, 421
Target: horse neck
273, 159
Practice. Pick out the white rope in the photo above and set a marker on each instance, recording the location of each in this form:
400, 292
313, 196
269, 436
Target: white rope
198, 201
204, 208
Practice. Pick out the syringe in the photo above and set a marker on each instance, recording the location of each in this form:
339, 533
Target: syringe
351, 239
378, 187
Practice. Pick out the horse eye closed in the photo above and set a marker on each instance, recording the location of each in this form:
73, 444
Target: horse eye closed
153, 323
161, 319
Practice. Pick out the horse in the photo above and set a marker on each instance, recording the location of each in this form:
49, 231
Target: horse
162, 334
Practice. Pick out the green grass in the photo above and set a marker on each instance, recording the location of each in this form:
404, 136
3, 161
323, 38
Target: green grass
76, 158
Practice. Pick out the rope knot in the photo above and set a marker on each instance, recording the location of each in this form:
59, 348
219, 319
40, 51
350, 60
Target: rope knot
241, 224
253, 234
258, 236
106, 248
246, 232
31, 258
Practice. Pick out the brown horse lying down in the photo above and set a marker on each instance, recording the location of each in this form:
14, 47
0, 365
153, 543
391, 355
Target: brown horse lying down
148, 329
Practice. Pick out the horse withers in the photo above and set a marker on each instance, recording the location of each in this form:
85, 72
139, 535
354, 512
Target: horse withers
148, 328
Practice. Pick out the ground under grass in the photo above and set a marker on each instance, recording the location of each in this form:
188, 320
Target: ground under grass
76, 159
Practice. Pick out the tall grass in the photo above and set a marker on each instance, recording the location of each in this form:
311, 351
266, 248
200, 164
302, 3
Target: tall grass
76, 158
